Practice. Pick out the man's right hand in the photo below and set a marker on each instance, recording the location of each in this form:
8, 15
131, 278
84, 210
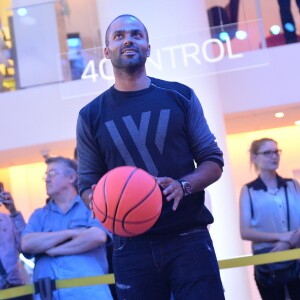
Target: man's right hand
88, 199
87, 196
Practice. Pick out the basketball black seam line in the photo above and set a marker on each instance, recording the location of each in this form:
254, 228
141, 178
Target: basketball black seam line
138, 204
105, 201
104, 196
99, 210
120, 196
130, 222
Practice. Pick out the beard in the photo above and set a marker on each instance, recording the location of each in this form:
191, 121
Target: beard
129, 63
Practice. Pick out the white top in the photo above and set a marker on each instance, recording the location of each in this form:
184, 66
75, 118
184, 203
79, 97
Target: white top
270, 209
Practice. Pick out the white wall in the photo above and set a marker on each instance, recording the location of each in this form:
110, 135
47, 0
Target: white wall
26, 186
274, 83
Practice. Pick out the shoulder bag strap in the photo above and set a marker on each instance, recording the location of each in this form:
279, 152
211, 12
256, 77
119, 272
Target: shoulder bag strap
251, 204
287, 207
2, 270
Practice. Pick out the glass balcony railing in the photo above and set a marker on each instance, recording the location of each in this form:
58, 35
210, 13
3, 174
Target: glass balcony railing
63, 47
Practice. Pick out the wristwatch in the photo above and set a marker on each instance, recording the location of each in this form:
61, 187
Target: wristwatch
186, 187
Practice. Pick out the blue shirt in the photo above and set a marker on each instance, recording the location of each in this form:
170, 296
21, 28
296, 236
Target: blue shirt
91, 263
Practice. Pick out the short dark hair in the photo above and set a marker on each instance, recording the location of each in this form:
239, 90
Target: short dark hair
75, 154
67, 162
121, 16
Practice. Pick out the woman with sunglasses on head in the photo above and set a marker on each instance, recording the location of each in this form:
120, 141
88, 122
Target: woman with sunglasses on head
270, 219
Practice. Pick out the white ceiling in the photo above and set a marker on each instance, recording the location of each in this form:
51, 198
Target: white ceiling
262, 119
36, 153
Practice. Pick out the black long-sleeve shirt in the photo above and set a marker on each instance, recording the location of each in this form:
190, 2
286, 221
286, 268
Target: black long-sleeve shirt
161, 129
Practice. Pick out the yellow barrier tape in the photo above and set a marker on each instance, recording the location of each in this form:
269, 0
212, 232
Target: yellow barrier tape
16, 292
259, 259
60, 284
236, 262
104, 279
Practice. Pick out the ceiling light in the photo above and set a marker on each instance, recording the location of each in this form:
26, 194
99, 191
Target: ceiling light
22, 11
275, 29
289, 27
223, 36
279, 114
241, 34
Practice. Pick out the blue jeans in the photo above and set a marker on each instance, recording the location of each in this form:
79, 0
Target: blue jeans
150, 268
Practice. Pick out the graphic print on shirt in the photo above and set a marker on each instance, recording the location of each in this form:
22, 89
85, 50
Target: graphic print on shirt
139, 136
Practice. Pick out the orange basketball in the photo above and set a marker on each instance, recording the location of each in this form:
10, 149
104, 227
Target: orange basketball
127, 201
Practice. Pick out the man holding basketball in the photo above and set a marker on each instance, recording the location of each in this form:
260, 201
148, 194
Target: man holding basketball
158, 126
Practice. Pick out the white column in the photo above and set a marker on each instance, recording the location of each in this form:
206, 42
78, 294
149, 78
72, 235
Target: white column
175, 24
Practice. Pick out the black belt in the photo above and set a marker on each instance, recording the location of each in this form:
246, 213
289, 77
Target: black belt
45, 286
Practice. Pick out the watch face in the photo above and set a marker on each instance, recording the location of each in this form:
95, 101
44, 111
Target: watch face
186, 187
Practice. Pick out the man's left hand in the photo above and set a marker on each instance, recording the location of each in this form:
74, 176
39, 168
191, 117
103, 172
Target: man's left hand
171, 189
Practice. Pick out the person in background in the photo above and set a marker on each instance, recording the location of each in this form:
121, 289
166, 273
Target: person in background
65, 239
158, 126
270, 212
12, 272
287, 20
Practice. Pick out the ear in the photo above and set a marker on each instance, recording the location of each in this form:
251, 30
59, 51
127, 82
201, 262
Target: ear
106, 53
149, 51
254, 159
72, 178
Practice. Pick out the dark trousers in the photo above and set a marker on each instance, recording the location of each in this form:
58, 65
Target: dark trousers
287, 18
112, 287
279, 292
27, 297
150, 268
